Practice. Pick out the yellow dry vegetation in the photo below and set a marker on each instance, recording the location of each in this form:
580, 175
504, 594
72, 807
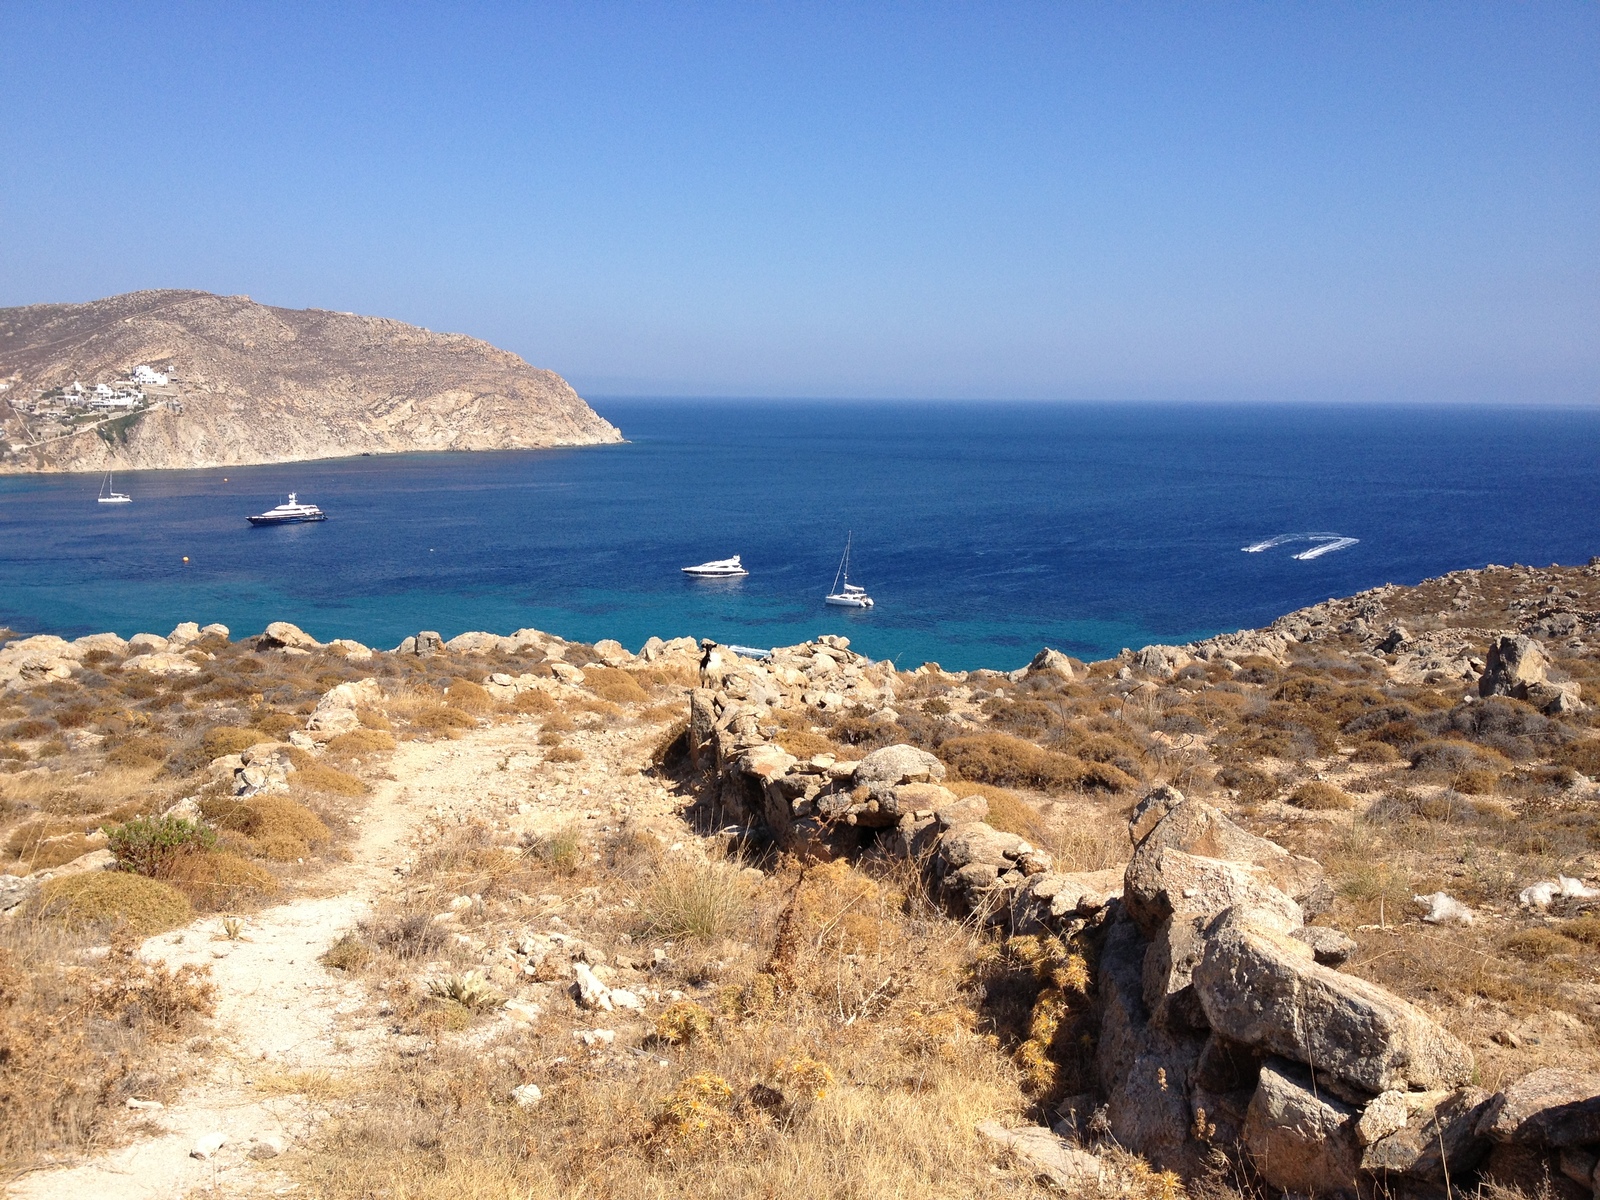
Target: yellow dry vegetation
113, 900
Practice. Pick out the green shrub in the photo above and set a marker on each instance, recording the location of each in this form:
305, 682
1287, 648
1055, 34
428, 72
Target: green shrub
144, 844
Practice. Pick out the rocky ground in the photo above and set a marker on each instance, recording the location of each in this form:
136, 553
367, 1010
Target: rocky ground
1310, 909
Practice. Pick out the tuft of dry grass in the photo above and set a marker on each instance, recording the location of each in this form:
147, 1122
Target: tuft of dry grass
361, 741
701, 901
218, 880
1316, 796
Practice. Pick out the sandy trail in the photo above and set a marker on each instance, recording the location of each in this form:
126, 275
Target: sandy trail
279, 1010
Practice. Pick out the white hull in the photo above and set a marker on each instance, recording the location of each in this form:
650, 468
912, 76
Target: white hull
722, 568
116, 498
849, 601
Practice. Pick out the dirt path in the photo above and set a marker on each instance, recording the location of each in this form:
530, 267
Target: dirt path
282, 1017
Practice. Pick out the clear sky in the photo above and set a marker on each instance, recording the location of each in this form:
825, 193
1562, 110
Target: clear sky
1080, 201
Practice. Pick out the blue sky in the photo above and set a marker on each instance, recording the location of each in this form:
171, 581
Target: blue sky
1078, 201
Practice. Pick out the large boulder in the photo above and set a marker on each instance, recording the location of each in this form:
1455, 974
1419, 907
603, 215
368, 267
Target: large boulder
1515, 664
1048, 900
161, 663
1299, 1137
898, 764
1163, 884
1266, 990
1551, 1107
1046, 1155
281, 635
1424, 1135
1049, 662
1164, 819
1145, 1071
339, 709
476, 642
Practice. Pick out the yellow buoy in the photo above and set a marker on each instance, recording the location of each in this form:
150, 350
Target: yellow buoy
185, 558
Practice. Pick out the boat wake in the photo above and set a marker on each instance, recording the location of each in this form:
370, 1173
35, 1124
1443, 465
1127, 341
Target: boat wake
1325, 543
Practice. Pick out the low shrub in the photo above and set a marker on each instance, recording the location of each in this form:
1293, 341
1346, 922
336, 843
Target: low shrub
805, 743
1008, 812
534, 701
141, 750
563, 754
217, 880
1582, 756
1536, 945
1008, 761
1375, 752
277, 827
561, 851
279, 725
468, 697
145, 844
406, 935
136, 904
442, 718
1253, 786
698, 901
615, 685
231, 739
362, 741
1316, 796
319, 777
350, 953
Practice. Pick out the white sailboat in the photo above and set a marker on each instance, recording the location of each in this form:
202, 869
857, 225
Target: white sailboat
850, 595
109, 495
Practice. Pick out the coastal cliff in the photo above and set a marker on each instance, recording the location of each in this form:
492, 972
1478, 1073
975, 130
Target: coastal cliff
173, 379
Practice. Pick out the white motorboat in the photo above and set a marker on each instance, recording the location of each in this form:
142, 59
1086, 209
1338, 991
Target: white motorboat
850, 595
722, 568
109, 494
289, 514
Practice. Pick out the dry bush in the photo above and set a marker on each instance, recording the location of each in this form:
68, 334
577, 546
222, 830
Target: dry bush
1316, 796
1253, 785
1008, 812
614, 684
1582, 756
561, 851
275, 827
1375, 752
563, 754
805, 743
406, 934
223, 740
442, 719
534, 701
319, 777
277, 725
703, 901
218, 880
469, 697
349, 953
139, 751
361, 741
1007, 761
117, 900
74, 1044
1536, 944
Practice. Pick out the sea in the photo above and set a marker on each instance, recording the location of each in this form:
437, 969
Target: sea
984, 531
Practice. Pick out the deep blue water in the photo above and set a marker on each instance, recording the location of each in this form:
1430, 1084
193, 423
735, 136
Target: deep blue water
983, 530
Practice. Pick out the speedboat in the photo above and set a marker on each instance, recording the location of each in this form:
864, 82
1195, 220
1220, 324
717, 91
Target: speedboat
289, 514
722, 568
109, 495
850, 595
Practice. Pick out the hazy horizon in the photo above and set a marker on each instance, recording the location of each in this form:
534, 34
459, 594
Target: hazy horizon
1091, 204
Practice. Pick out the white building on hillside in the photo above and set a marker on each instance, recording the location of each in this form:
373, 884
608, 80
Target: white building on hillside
147, 374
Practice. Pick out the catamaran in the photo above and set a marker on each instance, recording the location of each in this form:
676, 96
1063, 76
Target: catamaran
109, 495
721, 568
850, 595
288, 514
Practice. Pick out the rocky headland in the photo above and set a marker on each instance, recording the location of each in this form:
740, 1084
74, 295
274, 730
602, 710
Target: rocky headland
169, 379
1305, 910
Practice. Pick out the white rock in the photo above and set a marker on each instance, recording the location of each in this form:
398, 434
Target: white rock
1541, 894
527, 1095
1444, 909
595, 1037
622, 998
268, 1145
522, 1010
209, 1145
145, 1105
592, 993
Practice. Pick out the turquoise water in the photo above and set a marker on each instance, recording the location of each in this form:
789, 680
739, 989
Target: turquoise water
983, 530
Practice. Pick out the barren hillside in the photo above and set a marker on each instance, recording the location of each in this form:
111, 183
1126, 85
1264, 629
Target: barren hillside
230, 382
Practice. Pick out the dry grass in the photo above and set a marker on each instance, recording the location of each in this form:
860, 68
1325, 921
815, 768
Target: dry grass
702, 901
112, 900
76, 1042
